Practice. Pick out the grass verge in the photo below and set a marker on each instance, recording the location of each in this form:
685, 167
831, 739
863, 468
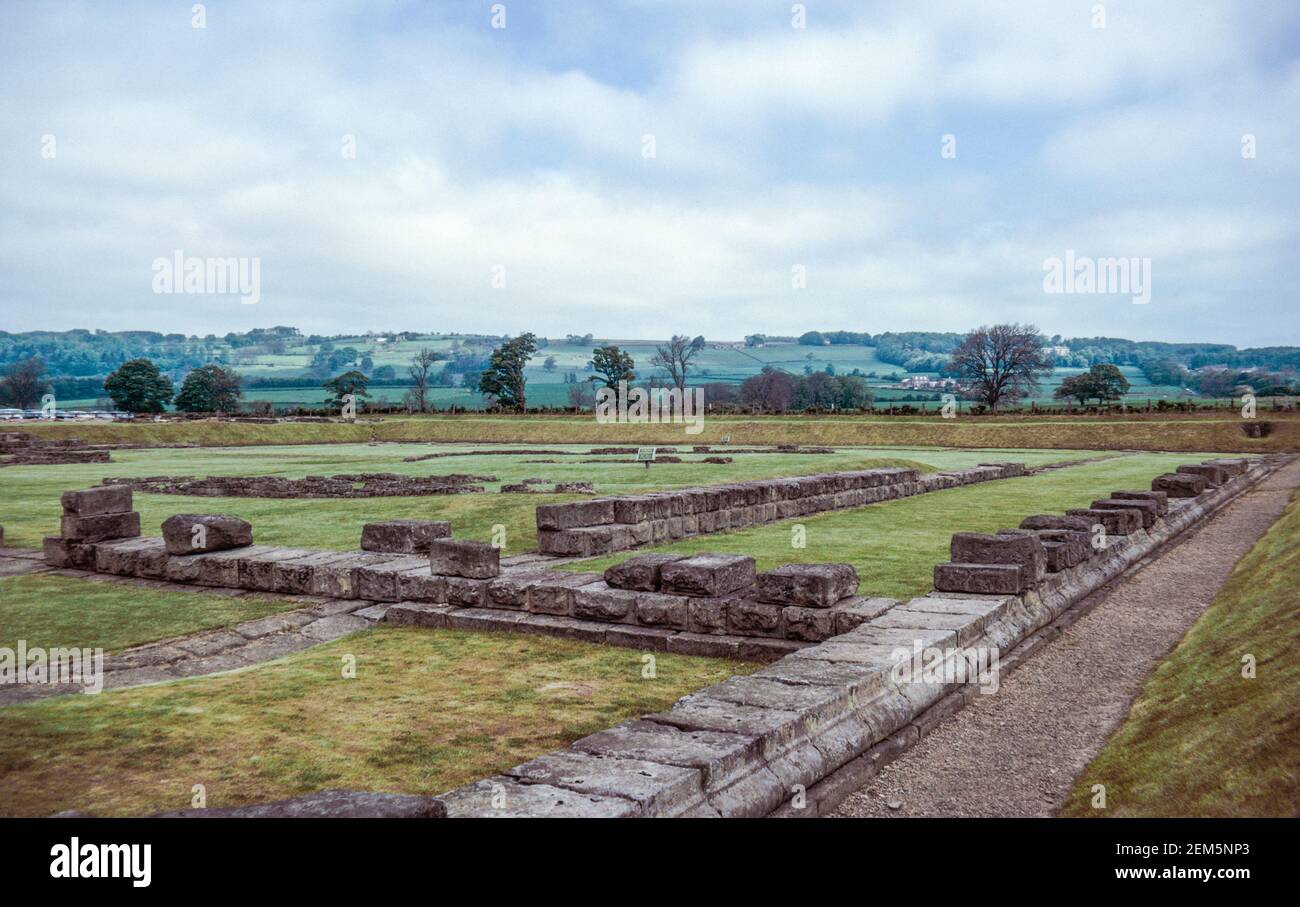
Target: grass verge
1202, 739
427, 711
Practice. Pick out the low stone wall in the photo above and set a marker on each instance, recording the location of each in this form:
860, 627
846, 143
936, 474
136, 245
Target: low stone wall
345, 485
606, 525
19, 448
792, 738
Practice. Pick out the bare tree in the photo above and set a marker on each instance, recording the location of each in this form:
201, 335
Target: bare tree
24, 383
676, 357
421, 362
1000, 364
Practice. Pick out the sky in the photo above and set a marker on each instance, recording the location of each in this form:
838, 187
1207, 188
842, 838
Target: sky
649, 167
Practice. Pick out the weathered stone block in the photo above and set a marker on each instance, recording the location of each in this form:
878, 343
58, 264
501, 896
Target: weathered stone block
510, 590
640, 573
1148, 509
708, 574
419, 614
258, 573
100, 526
1160, 498
420, 585
467, 592
403, 536
1122, 521
382, 582
338, 578
555, 595
1213, 475
855, 611
1010, 546
293, 577
196, 533
1179, 484
809, 624
97, 500
67, 553
809, 585
707, 615
477, 560
1049, 521
598, 601
653, 609
1233, 466
751, 618
576, 514
983, 579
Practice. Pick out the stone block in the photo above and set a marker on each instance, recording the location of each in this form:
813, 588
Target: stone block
258, 572
293, 577
67, 553
197, 533
1148, 509
467, 592
1179, 484
403, 536
639, 573
576, 514
510, 590
1160, 498
1010, 547
419, 614
1213, 475
100, 527
982, 579
707, 615
419, 585
654, 609
809, 585
338, 578
809, 624
555, 595
1051, 521
708, 574
659, 790
476, 560
382, 582
1233, 466
752, 618
598, 601
855, 611
1122, 521
97, 500
506, 798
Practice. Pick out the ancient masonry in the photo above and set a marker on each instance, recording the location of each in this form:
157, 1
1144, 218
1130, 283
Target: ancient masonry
344, 485
792, 738
605, 525
20, 449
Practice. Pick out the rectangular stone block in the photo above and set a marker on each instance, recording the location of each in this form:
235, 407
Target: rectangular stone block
419, 614
467, 592
258, 572
97, 500
221, 568
983, 579
1160, 498
419, 585
1010, 547
382, 582
640, 573
403, 536
293, 577
576, 514
809, 585
1213, 475
100, 527
634, 509
338, 578
476, 560
510, 590
555, 595
809, 624
654, 609
855, 611
1179, 484
1051, 521
752, 618
1122, 521
708, 574
1233, 466
1146, 508
598, 601
196, 533
707, 615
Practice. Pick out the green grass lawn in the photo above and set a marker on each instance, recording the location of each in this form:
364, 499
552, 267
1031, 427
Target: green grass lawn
895, 545
427, 711
1201, 739
62, 611
29, 503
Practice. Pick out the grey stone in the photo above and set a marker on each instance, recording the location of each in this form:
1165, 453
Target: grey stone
99, 527
658, 789
988, 579
575, 514
476, 560
597, 601
325, 804
640, 573
809, 624
810, 585
717, 755
751, 618
555, 595
854, 611
506, 798
1161, 498
1147, 509
421, 585
381, 582
197, 533
403, 536
1009, 547
708, 574
1046, 521
1213, 475
1179, 485
654, 609
419, 614
97, 500
329, 628
1121, 521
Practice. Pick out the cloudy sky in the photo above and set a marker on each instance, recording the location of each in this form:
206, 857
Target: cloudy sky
647, 167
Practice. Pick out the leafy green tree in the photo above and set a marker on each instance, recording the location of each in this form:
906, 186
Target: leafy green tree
611, 366
138, 387
1105, 382
210, 389
24, 382
504, 376
352, 382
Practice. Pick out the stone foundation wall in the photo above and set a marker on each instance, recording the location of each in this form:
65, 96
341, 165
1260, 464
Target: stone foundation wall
19, 448
346, 485
792, 738
606, 525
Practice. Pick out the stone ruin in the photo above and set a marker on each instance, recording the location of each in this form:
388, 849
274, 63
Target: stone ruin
533, 486
344, 485
19, 448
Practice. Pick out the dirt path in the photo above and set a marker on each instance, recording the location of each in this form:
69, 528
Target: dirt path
1018, 752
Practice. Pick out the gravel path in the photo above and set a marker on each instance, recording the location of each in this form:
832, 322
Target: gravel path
1017, 753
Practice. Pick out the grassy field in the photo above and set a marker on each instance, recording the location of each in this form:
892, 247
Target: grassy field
1201, 739
428, 710
1221, 431
895, 545
29, 508
61, 611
